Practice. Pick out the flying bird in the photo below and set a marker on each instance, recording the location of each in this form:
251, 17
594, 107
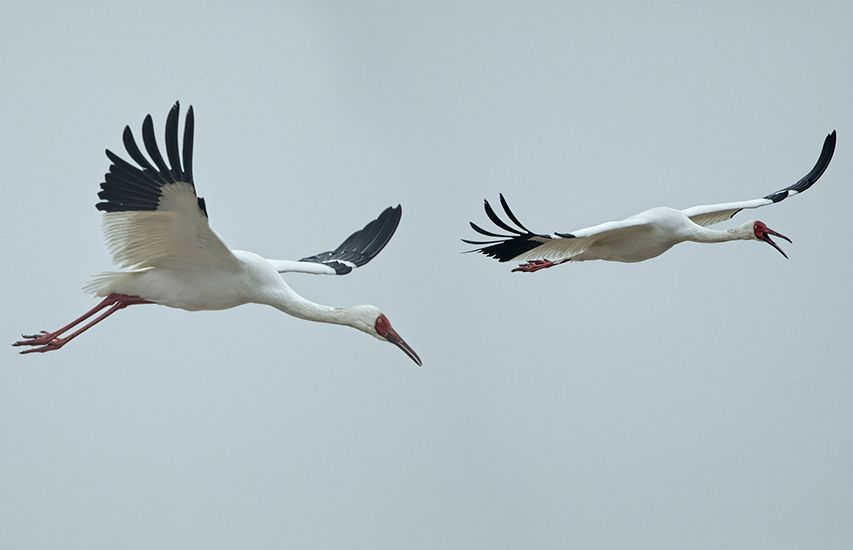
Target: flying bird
640, 237
156, 227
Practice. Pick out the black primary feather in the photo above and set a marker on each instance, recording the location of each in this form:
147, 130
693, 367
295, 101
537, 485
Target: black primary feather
133, 150
506, 247
154, 151
809, 179
172, 143
189, 132
363, 245
128, 188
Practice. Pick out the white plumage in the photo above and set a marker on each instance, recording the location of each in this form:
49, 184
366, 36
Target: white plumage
156, 228
640, 237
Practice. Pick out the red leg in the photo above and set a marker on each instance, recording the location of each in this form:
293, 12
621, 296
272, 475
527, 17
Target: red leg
535, 265
51, 341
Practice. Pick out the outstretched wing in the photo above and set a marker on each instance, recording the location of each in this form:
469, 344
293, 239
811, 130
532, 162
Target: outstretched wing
153, 217
358, 249
524, 245
506, 247
714, 213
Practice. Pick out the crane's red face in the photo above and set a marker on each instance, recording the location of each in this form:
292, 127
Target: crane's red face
762, 233
383, 327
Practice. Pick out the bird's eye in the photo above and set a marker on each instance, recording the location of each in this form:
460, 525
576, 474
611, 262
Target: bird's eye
379, 320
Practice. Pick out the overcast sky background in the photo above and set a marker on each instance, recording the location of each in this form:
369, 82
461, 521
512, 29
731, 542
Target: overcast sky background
698, 400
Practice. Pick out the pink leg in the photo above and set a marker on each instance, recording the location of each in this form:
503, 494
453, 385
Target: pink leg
535, 265
51, 341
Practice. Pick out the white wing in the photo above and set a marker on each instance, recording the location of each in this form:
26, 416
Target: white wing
524, 245
710, 214
570, 245
293, 266
153, 217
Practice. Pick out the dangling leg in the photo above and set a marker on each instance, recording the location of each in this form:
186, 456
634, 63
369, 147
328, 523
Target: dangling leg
535, 265
51, 341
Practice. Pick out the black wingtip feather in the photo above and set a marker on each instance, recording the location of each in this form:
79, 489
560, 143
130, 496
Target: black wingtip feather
127, 187
508, 247
809, 179
363, 245
189, 130
150, 141
172, 141
510, 214
384, 228
482, 231
133, 150
497, 221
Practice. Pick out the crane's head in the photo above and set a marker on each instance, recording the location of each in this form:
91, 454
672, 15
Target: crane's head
372, 321
762, 233
383, 328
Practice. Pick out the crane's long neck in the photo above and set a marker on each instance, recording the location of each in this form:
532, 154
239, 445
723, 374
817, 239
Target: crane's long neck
699, 234
264, 285
288, 301
361, 317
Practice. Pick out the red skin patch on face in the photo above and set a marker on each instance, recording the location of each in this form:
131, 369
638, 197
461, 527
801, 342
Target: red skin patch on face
382, 325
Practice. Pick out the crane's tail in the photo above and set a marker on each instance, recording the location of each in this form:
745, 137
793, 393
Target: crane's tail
102, 281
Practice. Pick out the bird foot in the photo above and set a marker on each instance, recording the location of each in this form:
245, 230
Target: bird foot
535, 265
47, 342
40, 339
56, 343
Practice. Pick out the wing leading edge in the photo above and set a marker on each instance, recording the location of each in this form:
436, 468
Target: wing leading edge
710, 214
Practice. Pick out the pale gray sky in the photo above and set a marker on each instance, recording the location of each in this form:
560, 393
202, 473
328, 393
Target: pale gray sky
697, 400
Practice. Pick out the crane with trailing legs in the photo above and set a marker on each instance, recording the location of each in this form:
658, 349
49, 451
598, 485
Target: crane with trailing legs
156, 227
641, 237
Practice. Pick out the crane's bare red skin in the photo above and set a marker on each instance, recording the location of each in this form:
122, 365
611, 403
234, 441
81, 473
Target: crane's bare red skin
762, 233
50, 341
383, 327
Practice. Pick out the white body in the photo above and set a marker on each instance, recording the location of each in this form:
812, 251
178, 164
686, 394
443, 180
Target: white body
641, 237
178, 261
252, 280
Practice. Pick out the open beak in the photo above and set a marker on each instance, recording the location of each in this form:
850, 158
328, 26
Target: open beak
765, 236
392, 336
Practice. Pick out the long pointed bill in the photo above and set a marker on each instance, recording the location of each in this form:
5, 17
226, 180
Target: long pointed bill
392, 336
765, 236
